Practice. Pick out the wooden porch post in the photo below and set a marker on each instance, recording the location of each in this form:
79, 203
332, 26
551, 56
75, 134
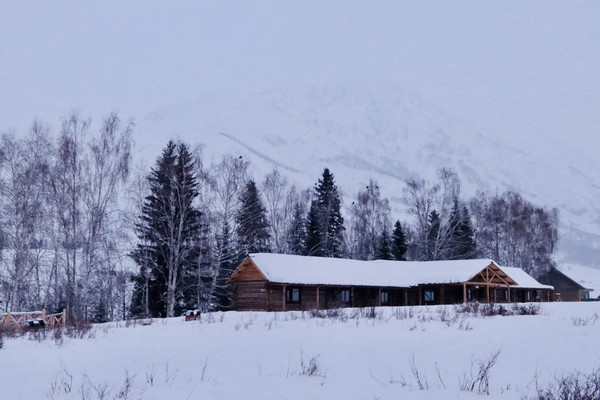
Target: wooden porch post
487, 280
379, 297
352, 296
283, 297
318, 302
405, 297
464, 292
442, 295
420, 296
508, 290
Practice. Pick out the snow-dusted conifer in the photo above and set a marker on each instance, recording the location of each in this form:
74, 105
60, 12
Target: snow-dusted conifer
325, 224
384, 252
398, 242
168, 232
461, 245
252, 226
296, 237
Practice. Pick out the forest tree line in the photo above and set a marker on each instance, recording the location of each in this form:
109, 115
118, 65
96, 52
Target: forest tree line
80, 231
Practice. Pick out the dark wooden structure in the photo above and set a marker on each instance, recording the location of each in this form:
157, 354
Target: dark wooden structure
565, 288
253, 290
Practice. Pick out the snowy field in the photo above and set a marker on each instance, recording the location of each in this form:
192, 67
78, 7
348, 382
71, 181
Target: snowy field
386, 353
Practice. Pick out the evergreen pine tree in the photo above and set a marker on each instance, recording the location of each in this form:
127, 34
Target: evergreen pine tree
253, 228
296, 237
384, 252
468, 249
101, 313
325, 224
398, 244
168, 232
140, 305
314, 235
462, 244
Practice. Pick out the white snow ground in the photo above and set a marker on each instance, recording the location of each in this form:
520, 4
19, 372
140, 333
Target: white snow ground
255, 355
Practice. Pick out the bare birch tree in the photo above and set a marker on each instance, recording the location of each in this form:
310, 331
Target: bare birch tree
370, 218
107, 171
67, 191
23, 173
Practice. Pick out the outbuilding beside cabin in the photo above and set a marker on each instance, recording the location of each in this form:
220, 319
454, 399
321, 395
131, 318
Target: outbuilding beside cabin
565, 288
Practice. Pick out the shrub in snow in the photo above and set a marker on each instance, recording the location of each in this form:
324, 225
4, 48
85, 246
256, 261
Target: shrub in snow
80, 329
404, 313
311, 367
419, 376
525, 309
573, 386
370, 313
581, 321
479, 375
491, 309
467, 308
331, 313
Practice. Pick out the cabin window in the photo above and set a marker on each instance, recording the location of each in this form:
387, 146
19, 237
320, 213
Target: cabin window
429, 296
292, 294
384, 297
501, 294
346, 296
469, 294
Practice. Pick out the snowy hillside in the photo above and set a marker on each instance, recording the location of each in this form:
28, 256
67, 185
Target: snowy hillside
383, 131
506, 93
409, 353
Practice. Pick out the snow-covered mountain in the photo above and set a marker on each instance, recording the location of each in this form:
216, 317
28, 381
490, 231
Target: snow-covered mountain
505, 93
386, 132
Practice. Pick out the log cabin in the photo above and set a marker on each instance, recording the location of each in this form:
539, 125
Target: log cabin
279, 282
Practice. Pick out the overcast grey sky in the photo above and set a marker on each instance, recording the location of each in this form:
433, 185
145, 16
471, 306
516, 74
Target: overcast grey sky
512, 69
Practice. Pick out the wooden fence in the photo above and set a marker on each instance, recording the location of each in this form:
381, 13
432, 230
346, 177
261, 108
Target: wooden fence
32, 318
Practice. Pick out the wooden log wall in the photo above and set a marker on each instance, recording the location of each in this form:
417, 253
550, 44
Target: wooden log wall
251, 296
276, 298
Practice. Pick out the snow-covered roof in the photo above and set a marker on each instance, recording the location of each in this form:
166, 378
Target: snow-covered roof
523, 279
305, 270
587, 277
